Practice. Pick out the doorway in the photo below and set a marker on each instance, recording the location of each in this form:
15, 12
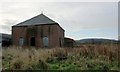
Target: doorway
32, 41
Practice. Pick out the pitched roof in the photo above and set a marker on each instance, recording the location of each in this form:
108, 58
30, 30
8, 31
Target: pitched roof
37, 20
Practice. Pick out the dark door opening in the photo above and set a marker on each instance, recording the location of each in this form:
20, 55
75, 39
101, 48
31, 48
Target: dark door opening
32, 41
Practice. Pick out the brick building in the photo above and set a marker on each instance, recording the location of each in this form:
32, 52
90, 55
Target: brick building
68, 42
39, 31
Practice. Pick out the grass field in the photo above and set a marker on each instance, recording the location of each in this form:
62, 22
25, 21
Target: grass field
84, 57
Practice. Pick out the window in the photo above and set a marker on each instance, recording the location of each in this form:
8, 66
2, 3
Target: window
21, 41
45, 41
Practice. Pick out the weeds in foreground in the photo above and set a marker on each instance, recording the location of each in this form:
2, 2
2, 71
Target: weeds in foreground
87, 57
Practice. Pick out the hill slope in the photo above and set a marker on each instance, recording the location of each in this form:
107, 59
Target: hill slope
96, 41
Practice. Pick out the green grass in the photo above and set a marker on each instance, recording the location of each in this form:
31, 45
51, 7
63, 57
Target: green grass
84, 64
90, 57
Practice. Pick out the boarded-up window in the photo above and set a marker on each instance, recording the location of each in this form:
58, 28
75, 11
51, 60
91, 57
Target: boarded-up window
21, 41
45, 41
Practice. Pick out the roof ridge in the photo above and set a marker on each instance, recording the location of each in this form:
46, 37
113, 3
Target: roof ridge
38, 19
46, 16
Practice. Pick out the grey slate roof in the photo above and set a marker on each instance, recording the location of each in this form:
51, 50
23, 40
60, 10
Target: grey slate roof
37, 20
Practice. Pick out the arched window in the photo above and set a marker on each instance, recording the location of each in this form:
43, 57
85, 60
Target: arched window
21, 41
45, 41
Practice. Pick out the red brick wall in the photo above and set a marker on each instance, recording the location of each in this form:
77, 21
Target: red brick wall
18, 32
54, 32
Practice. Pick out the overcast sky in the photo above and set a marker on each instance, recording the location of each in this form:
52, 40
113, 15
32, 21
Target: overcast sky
79, 19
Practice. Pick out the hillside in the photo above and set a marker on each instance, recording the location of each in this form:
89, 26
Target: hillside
95, 41
5, 39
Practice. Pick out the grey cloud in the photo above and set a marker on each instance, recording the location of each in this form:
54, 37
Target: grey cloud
119, 19
9, 22
5, 27
72, 16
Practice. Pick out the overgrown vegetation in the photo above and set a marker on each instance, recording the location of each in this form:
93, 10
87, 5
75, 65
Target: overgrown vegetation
0, 58
85, 57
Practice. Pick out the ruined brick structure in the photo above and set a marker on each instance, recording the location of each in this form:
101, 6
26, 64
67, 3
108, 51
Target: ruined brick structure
39, 31
68, 42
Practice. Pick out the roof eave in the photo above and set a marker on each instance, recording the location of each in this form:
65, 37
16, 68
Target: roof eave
37, 25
